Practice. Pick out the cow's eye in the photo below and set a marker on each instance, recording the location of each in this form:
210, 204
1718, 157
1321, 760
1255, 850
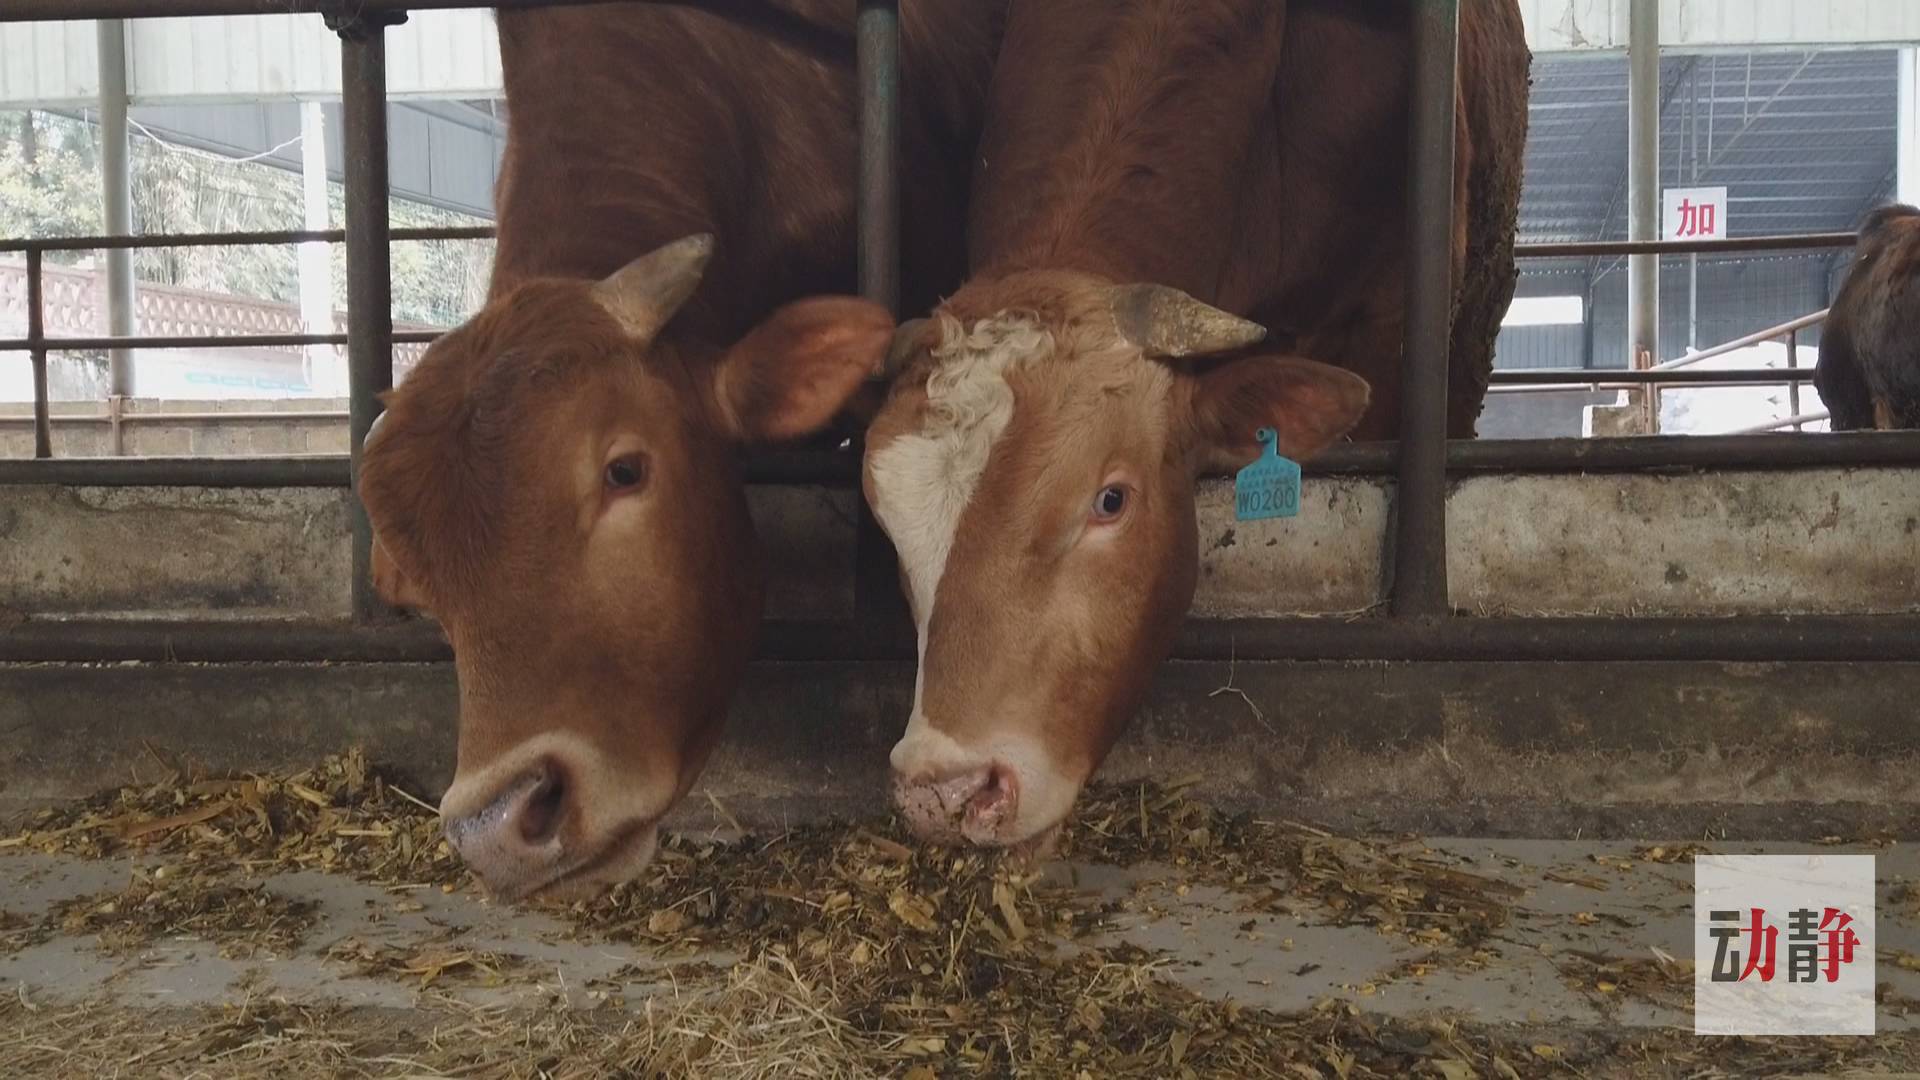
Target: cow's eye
625, 473
1110, 503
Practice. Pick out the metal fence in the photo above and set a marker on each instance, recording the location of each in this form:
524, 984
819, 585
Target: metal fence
1418, 623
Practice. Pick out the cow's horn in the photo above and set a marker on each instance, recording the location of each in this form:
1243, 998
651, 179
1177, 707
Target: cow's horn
1163, 321
645, 293
906, 339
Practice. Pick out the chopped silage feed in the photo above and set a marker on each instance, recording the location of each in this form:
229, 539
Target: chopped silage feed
849, 950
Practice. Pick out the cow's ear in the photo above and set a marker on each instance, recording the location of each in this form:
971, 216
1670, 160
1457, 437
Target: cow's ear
388, 459
793, 372
393, 584
1307, 403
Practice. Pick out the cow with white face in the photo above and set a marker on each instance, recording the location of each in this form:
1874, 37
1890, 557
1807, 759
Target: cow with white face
1035, 468
1149, 172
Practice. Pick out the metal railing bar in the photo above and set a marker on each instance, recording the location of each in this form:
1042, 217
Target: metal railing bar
1793, 421
37, 356
1553, 639
1625, 377
1784, 242
363, 110
203, 341
485, 232
1727, 639
234, 239
877, 59
1788, 242
132, 418
1641, 453
876, 586
1793, 361
1420, 506
289, 471
198, 341
1758, 337
58, 10
783, 468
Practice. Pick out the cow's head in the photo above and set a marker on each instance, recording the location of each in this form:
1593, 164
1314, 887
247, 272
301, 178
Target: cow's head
556, 483
1035, 468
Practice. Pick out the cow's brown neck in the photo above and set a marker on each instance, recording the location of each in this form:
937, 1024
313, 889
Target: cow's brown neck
580, 200
764, 163
1130, 159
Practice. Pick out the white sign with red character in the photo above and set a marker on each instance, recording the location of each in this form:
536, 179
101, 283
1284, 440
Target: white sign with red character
1695, 213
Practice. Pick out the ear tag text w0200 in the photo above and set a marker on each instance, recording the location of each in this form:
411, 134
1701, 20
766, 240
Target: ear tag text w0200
1268, 488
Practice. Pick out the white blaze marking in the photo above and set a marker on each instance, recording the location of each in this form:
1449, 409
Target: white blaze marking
923, 480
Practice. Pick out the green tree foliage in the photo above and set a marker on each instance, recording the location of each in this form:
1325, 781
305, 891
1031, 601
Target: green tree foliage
50, 186
46, 171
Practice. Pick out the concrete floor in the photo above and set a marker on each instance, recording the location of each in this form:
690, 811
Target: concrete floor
1608, 903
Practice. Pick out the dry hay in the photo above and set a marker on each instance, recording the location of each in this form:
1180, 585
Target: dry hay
765, 1024
1659, 979
340, 816
427, 963
244, 920
18, 932
858, 953
1290, 866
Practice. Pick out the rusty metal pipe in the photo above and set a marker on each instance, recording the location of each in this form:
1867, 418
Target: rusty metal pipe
1730, 639
1648, 376
36, 327
1737, 245
53, 10
1662, 453
877, 57
363, 64
1420, 505
234, 239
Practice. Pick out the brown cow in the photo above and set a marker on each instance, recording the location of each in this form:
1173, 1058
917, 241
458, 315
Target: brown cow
556, 481
1035, 465
1869, 369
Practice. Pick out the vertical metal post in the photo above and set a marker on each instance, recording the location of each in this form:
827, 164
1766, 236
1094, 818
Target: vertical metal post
315, 265
877, 218
877, 49
1586, 319
1793, 388
1643, 189
1420, 542
1906, 182
363, 86
36, 329
116, 181
1693, 258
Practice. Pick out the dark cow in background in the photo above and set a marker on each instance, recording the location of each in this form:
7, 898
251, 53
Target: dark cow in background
1151, 170
1869, 369
556, 481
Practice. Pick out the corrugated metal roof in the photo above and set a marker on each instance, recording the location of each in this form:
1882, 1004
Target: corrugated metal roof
1803, 141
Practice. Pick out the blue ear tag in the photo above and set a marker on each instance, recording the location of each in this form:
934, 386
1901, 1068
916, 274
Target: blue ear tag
1268, 488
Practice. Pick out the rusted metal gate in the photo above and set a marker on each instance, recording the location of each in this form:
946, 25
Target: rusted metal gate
1419, 623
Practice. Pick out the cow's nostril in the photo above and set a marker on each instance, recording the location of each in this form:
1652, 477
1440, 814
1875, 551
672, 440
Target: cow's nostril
544, 809
994, 797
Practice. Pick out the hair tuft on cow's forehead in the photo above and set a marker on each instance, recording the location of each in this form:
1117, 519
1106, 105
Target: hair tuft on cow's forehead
971, 362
